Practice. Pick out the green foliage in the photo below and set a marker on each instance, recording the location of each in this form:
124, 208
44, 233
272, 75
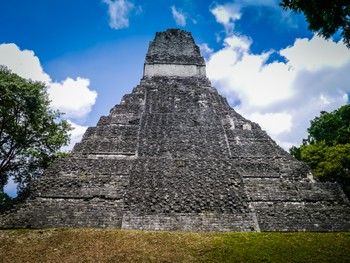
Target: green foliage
329, 163
327, 148
295, 151
4, 197
332, 128
324, 17
30, 136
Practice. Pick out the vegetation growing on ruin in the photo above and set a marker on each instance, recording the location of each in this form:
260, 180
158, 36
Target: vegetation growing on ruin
327, 148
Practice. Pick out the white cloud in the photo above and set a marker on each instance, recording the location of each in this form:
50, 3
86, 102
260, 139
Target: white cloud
247, 75
73, 97
119, 11
75, 135
282, 97
321, 53
238, 42
22, 62
70, 96
229, 13
206, 51
274, 123
226, 14
179, 17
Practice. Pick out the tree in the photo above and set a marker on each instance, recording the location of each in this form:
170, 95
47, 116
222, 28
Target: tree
329, 163
31, 133
332, 128
327, 148
324, 17
4, 198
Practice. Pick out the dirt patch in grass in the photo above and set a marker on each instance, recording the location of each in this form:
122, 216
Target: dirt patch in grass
97, 245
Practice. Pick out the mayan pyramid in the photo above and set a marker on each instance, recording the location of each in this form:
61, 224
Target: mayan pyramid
173, 155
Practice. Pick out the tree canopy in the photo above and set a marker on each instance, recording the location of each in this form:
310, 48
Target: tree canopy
31, 133
324, 17
327, 148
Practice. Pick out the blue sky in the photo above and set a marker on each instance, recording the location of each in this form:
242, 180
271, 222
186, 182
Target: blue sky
263, 59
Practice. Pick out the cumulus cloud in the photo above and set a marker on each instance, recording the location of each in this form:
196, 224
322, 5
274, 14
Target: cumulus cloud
179, 17
73, 97
282, 96
119, 11
321, 53
22, 62
229, 13
206, 51
272, 121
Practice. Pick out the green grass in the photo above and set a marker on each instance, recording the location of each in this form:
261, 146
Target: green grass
97, 245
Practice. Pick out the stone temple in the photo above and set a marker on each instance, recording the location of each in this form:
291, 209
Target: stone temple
173, 155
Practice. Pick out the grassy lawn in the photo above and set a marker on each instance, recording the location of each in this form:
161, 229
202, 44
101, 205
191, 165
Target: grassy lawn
98, 245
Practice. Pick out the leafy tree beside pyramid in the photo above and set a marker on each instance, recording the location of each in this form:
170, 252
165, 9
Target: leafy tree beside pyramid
327, 148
